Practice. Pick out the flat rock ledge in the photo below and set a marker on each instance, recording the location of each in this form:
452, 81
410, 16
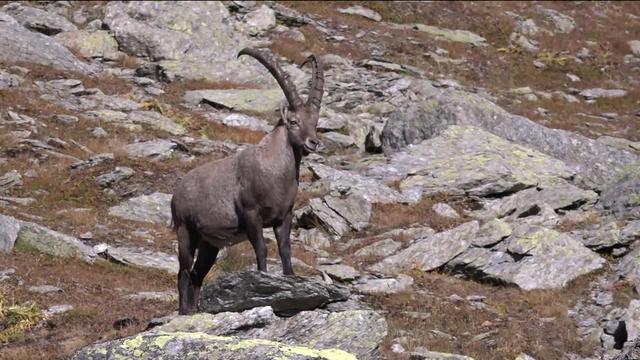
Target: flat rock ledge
253, 334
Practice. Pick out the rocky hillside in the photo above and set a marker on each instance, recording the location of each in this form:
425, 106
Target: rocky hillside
479, 197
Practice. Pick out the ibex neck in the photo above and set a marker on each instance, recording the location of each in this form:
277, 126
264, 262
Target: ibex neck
285, 155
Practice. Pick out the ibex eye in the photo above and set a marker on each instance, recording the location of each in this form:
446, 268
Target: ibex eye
293, 122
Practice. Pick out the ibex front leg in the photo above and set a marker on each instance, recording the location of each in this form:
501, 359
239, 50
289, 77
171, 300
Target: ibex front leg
253, 225
283, 232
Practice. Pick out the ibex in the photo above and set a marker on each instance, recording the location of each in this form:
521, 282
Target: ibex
224, 202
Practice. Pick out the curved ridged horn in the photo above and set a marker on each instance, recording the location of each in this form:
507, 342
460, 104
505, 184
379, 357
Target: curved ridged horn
281, 77
317, 82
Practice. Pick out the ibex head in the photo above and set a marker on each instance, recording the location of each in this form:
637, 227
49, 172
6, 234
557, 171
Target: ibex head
300, 118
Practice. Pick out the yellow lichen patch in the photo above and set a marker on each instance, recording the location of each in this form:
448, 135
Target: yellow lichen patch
162, 340
132, 343
287, 350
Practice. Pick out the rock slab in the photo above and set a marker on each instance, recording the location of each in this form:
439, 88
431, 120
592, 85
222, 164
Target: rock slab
287, 295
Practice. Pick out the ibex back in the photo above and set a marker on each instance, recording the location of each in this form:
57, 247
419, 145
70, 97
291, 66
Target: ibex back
231, 200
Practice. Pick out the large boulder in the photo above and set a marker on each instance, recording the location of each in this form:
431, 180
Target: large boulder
18, 44
263, 101
533, 257
139, 257
91, 44
195, 40
154, 208
254, 334
9, 228
431, 252
287, 295
621, 197
52, 242
46, 22
441, 108
469, 160
339, 181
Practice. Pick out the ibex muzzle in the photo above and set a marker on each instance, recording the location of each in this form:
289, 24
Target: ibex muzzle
231, 200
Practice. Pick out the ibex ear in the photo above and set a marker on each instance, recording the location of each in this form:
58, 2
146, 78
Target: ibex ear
284, 111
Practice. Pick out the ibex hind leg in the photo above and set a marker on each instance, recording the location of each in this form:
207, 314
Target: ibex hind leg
186, 288
207, 255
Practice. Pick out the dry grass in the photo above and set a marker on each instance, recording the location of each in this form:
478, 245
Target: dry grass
515, 318
397, 215
108, 84
97, 293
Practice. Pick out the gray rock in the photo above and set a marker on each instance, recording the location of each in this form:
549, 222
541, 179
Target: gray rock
632, 320
429, 118
91, 44
527, 27
240, 120
18, 44
630, 352
611, 235
317, 212
462, 36
596, 93
333, 139
431, 252
158, 149
379, 249
620, 143
314, 239
156, 121
44, 289
525, 44
445, 210
154, 208
562, 22
287, 295
492, 232
93, 161
532, 201
46, 22
166, 296
261, 19
65, 119
340, 272
139, 257
8, 81
204, 146
263, 101
194, 40
374, 286
468, 160
52, 242
421, 353
621, 197
10, 180
362, 11
355, 209
373, 190
256, 333
332, 121
58, 309
99, 132
634, 46
535, 258
119, 174
629, 268
9, 228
